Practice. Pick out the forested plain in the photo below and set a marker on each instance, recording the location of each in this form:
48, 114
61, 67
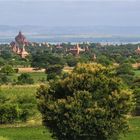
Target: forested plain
18, 90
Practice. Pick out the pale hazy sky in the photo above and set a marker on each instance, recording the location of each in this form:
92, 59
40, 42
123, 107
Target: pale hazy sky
70, 12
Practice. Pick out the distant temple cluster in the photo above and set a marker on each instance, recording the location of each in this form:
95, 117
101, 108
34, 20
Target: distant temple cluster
18, 46
76, 50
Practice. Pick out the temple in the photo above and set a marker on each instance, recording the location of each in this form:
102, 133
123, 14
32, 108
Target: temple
76, 50
18, 46
59, 46
94, 57
137, 50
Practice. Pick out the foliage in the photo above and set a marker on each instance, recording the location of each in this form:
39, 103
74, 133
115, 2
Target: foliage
42, 60
7, 69
104, 60
89, 104
53, 71
39, 133
126, 72
137, 98
17, 104
25, 78
4, 79
72, 62
8, 113
2, 62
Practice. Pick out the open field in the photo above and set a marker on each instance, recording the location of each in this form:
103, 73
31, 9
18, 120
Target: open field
137, 72
18, 90
24, 133
40, 133
37, 76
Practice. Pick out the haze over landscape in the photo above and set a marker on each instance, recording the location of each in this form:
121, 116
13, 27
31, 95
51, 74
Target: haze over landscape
96, 17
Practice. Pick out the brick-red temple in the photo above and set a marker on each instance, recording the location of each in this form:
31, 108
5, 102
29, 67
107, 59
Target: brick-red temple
18, 46
77, 49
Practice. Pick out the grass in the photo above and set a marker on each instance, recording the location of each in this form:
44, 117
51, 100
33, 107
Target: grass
24, 133
37, 76
137, 72
134, 133
18, 90
40, 133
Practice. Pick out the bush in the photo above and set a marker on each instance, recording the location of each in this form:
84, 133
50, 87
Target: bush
137, 98
72, 62
17, 108
27, 105
7, 69
126, 72
8, 113
53, 71
25, 78
89, 104
138, 68
4, 79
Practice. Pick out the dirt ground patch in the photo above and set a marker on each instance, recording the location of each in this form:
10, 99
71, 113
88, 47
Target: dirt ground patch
30, 70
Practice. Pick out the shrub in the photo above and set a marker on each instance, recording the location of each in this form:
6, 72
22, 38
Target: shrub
7, 69
8, 113
89, 104
53, 71
126, 72
25, 78
137, 98
4, 79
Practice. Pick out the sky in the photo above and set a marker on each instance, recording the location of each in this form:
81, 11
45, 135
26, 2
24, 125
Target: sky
70, 12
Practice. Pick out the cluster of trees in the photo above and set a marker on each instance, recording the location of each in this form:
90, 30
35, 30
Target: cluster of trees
42, 56
7, 71
126, 72
90, 103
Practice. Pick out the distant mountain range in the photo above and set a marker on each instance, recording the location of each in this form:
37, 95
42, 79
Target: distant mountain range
72, 33
6, 30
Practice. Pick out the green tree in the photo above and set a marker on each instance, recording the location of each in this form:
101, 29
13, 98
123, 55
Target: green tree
104, 60
4, 79
137, 98
2, 62
53, 71
89, 104
126, 72
7, 69
136, 92
44, 59
25, 78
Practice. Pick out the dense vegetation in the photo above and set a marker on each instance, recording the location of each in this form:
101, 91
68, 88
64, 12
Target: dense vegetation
16, 101
17, 104
42, 56
40, 133
89, 104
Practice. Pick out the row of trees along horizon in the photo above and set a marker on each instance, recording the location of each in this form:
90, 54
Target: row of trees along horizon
91, 102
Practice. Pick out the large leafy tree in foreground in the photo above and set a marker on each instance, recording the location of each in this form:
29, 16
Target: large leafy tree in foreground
90, 104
